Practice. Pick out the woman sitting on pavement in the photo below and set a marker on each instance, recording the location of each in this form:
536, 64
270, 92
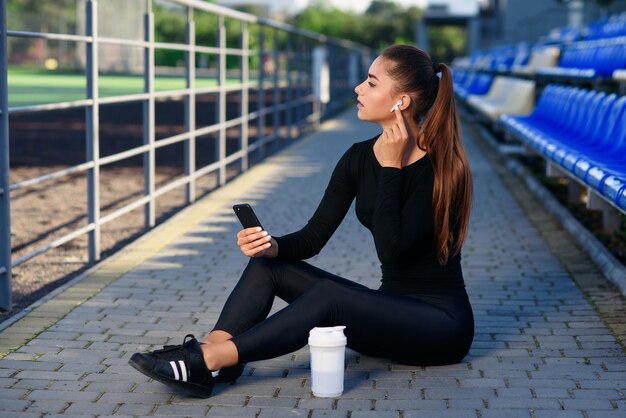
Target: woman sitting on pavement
413, 191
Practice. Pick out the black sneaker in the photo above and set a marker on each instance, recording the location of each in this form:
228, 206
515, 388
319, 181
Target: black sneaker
228, 374
180, 366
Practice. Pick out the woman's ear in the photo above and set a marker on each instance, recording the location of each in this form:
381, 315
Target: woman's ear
406, 102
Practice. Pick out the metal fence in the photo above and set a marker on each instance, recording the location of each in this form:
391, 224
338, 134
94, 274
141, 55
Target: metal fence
296, 91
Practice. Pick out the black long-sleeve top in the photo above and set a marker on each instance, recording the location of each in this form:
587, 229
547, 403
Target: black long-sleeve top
396, 206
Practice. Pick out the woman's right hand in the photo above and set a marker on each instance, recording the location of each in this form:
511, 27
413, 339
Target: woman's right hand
254, 242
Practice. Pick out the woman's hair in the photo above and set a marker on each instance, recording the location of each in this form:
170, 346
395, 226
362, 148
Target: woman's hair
433, 106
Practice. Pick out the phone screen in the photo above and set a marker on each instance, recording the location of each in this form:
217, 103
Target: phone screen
246, 216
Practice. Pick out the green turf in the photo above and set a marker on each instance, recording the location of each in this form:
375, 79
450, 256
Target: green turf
33, 87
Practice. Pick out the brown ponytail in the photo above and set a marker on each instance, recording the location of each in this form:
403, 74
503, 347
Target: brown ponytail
440, 137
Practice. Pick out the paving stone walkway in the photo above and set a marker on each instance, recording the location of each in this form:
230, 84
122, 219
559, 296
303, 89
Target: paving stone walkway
540, 350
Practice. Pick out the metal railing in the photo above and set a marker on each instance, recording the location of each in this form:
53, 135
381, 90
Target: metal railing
300, 105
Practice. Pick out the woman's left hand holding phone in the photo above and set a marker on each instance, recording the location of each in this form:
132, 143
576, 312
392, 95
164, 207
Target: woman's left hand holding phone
255, 242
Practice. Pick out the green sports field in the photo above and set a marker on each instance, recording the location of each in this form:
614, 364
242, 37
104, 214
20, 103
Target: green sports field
33, 87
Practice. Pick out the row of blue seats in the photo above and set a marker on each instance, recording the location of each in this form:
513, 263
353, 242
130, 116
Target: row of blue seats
500, 58
610, 27
606, 28
583, 132
467, 82
588, 60
574, 43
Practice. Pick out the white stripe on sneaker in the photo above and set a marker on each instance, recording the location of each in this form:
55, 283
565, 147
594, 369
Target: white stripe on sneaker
176, 376
183, 370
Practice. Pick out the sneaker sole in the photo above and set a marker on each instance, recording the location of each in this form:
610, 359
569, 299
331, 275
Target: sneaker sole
192, 388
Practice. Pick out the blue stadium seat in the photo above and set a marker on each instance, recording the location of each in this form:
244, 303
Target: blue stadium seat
605, 141
479, 84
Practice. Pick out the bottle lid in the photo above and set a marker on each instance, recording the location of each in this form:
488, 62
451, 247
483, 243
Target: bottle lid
327, 336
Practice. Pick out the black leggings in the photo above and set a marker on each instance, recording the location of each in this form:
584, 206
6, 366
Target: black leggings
428, 329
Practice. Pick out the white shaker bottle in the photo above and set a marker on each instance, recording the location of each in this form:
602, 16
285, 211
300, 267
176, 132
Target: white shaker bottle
328, 348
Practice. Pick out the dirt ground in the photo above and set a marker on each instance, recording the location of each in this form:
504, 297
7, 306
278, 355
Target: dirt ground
43, 213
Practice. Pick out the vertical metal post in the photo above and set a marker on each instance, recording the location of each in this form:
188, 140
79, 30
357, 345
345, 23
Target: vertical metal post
276, 96
473, 30
421, 34
92, 120
289, 93
221, 149
245, 94
315, 87
149, 158
261, 93
190, 107
299, 91
5, 197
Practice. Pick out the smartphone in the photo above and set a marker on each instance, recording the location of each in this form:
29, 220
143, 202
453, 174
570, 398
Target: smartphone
246, 215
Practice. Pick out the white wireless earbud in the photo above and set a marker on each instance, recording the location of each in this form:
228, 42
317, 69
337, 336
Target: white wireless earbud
396, 106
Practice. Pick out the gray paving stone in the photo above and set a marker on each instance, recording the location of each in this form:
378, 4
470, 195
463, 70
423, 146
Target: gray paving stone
587, 404
321, 413
189, 410
465, 404
135, 398
460, 393
8, 393
30, 365
316, 404
19, 357
540, 413
135, 409
409, 404
89, 408
62, 395
508, 403
482, 383
619, 383
596, 394
499, 413
262, 402
227, 399
375, 414
8, 406
355, 404
456, 413
434, 382
15, 414
7, 382
393, 384
258, 390
543, 383
551, 393
68, 385
522, 393
604, 414
283, 413
82, 367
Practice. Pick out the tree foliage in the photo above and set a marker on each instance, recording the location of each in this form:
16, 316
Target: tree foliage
383, 23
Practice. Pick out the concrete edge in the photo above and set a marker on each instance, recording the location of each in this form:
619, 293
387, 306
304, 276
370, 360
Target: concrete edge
611, 268
47, 311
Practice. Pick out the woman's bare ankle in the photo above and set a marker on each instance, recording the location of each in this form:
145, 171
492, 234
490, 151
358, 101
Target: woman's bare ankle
217, 336
220, 354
